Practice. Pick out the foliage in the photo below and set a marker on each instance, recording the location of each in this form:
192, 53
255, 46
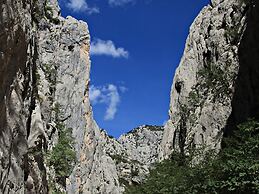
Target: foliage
63, 156
118, 158
216, 80
155, 128
247, 2
36, 11
234, 170
232, 34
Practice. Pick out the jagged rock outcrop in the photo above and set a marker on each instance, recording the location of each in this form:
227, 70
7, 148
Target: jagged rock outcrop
44, 76
216, 84
110, 165
139, 152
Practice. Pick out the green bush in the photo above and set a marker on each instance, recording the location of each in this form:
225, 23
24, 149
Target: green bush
63, 156
217, 80
234, 170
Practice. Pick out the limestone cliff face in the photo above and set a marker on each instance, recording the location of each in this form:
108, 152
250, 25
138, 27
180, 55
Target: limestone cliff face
44, 72
139, 150
214, 87
108, 165
17, 54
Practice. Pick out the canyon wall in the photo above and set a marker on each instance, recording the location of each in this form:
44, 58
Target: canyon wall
45, 69
216, 84
46, 112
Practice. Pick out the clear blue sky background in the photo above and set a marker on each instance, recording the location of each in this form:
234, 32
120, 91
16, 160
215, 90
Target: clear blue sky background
154, 34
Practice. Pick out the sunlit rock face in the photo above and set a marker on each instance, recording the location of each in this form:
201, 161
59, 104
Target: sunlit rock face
139, 152
45, 70
214, 87
114, 164
44, 64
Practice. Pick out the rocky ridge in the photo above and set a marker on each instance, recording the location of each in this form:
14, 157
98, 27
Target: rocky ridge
118, 163
208, 98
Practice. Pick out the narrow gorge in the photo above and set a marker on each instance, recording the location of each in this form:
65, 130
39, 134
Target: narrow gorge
50, 142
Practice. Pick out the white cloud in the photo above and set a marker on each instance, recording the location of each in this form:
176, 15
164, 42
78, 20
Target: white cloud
123, 89
102, 47
119, 2
81, 5
95, 94
108, 95
114, 97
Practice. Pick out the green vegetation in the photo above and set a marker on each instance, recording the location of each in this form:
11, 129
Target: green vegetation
149, 127
155, 128
216, 80
118, 158
63, 156
36, 12
247, 2
124, 182
54, 190
234, 170
214, 83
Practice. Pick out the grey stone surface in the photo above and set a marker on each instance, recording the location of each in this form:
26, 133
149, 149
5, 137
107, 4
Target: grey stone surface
108, 165
205, 82
15, 25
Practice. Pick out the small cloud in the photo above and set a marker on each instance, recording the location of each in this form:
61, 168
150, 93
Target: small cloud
123, 89
95, 94
109, 95
102, 47
114, 99
119, 2
81, 5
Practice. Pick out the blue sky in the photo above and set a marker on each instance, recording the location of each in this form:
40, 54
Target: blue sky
136, 47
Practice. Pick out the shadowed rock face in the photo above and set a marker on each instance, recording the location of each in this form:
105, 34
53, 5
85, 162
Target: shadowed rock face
246, 97
14, 41
216, 84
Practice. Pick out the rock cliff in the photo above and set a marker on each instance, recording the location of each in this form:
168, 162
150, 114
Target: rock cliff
216, 84
45, 107
110, 165
44, 99
45, 70
17, 59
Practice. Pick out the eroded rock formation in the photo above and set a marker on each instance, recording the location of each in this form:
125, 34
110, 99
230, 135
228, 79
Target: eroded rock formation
214, 87
44, 76
109, 165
